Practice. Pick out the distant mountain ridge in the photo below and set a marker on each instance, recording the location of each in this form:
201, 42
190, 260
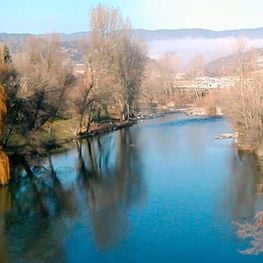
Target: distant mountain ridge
197, 33
229, 63
151, 35
186, 43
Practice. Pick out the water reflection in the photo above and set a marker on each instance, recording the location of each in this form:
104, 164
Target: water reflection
5, 206
242, 186
247, 202
34, 202
85, 204
112, 183
40, 208
252, 231
243, 199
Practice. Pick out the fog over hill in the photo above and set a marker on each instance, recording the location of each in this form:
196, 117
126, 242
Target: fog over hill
184, 42
188, 43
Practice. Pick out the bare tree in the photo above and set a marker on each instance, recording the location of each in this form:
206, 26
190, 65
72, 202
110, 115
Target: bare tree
114, 67
86, 99
96, 89
46, 75
151, 85
160, 86
196, 66
131, 67
117, 54
243, 104
168, 65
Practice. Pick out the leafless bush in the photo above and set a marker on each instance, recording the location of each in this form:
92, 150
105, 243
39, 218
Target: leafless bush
254, 232
209, 102
243, 104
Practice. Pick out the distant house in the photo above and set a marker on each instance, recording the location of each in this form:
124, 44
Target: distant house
213, 83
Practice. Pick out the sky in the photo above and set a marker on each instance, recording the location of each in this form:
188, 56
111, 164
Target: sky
68, 16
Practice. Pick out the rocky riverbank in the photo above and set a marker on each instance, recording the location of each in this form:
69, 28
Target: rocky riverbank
203, 111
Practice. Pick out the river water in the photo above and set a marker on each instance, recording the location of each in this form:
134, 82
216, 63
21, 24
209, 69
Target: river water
163, 190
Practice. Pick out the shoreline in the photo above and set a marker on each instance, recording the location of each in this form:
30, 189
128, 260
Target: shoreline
60, 144
56, 145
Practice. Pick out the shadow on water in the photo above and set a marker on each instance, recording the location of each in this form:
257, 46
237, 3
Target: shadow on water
38, 212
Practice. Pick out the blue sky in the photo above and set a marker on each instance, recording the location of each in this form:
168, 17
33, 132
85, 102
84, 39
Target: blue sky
43, 16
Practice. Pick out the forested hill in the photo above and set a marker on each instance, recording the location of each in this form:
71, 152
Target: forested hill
229, 63
197, 33
162, 34
187, 43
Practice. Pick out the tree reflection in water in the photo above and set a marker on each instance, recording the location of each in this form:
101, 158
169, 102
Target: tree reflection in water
111, 178
245, 197
5, 206
35, 201
242, 186
252, 231
38, 212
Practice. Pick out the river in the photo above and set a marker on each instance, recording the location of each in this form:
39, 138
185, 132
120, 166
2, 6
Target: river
164, 190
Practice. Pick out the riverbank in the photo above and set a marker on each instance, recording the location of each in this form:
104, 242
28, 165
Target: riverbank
238, 142
62, 134
203, 111
60, 138
257, 151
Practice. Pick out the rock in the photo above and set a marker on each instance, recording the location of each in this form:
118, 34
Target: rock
197, 111
171, 104
219, 111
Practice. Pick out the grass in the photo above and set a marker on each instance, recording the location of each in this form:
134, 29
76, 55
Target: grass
62, 131
17, 140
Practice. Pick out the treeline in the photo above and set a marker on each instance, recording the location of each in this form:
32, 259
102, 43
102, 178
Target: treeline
41, 87
243, 103
162, 82
35, 85
117, 81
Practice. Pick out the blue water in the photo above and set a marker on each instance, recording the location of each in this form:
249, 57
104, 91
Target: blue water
163, 190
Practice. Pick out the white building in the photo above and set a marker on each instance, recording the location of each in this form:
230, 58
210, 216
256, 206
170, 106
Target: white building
213, 83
